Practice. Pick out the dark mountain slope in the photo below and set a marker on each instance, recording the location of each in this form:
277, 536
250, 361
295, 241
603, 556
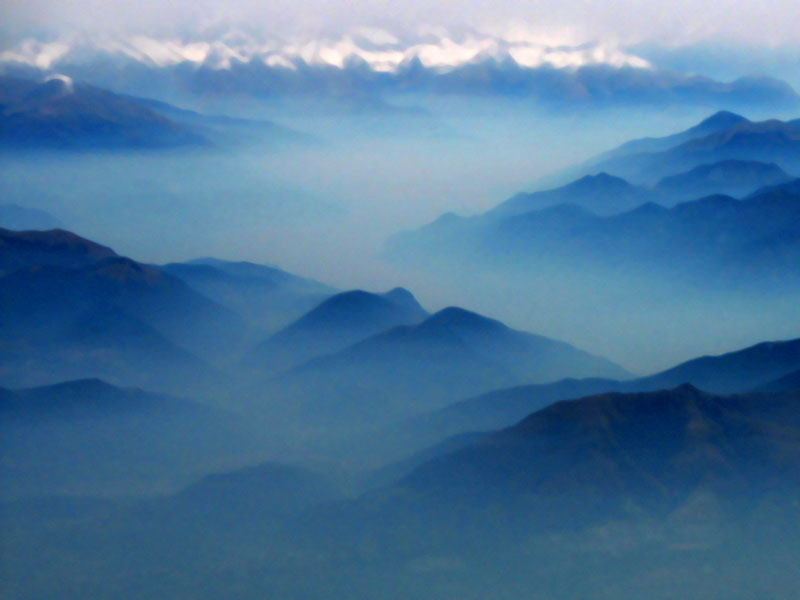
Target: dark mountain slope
45, 298
620, 496
57, 247
338, 322
612, 456
71, 308
65, 115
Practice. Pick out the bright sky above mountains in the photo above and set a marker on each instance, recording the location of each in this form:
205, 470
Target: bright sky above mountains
769, 22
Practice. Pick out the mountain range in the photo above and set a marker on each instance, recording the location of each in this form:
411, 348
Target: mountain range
57, 113
612, 491
410, 369
766, 141
336, 323
358, 67
606, 195
684, 226
268, 297
768, 367
72, 308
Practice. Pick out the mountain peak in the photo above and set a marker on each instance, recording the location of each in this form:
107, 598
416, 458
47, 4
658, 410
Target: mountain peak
402, 297
455, 316
93, 385
601, 178
721, 119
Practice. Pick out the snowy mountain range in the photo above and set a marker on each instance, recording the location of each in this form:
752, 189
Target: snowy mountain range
374, 61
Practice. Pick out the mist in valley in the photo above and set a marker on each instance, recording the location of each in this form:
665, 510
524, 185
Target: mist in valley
324, 310
325, 204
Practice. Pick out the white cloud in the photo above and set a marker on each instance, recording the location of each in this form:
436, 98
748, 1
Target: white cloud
441, 53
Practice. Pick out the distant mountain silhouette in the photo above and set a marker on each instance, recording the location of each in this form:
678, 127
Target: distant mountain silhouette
89, 437
62, 114
22, 218
83, 397
220, 128
715, 240
733, 372
602, 194
606, 497
106, 342
487, 412
770, 141
660, 207
768, 367
731, 177
266, 296
417, 368
719, 121
339, 321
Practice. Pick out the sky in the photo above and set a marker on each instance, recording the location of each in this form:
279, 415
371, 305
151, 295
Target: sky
765, 22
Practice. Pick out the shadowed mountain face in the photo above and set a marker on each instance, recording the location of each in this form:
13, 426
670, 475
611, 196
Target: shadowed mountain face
71, 308
19, 249
53, 295
770, 366
89, 437
412, 369
61, 114
336, 323
711, 242
613, 492
613, 456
